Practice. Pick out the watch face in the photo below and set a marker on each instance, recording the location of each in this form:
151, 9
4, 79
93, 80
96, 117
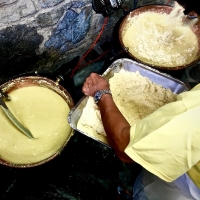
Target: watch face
99, 94
97, 97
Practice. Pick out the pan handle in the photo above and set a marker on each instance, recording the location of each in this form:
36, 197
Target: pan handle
4, 95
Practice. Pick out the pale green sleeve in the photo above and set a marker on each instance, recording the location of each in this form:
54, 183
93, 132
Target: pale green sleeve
166, 142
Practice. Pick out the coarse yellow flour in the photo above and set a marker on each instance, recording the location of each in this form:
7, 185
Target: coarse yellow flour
161, 39
135, 96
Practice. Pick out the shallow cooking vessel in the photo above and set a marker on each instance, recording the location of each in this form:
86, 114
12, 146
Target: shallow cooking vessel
33, 80
154, 75
158, 9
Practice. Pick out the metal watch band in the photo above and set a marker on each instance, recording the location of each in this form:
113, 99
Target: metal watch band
105, 92
99, 94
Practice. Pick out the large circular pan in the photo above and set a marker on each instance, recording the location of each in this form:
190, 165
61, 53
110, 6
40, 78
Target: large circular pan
159, 9
27, 81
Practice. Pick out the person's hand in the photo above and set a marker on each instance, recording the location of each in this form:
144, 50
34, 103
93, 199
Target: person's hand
94, 83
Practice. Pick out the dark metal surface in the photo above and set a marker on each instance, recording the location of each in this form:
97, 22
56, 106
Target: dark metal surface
106, 7
84, 170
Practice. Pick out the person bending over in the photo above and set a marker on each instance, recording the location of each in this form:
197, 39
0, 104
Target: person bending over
166, 143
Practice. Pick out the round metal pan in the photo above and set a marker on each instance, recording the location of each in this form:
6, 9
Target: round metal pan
26, 81
155, 8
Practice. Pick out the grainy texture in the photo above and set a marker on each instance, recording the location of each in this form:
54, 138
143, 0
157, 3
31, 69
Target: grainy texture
161, 39
135, 96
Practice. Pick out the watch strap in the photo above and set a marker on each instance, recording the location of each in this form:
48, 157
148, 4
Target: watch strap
100, 93
105, 92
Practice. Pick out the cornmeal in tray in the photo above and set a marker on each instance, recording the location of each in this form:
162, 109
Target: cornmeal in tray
136, 97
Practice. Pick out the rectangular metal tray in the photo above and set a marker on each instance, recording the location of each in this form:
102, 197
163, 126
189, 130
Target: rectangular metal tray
167, 81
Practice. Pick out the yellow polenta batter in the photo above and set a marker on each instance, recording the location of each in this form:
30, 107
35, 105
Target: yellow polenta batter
44, 113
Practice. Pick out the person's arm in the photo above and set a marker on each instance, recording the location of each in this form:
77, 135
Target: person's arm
116, 126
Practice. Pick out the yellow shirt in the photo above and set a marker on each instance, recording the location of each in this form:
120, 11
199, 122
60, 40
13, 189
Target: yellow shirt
167, 142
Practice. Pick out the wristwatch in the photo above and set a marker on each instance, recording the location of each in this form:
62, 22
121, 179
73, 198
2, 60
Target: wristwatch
99, 94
